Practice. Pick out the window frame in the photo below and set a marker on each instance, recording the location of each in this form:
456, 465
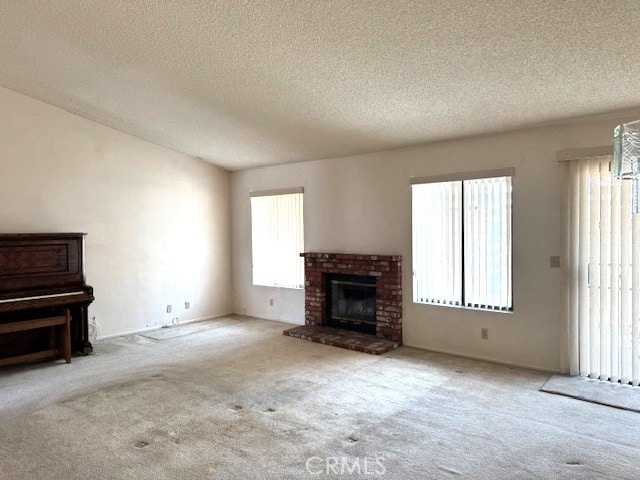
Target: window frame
461, 177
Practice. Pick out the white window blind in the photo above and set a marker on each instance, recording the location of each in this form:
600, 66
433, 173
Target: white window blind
277, 231
462, 243
603, 274
487, 246
437, 243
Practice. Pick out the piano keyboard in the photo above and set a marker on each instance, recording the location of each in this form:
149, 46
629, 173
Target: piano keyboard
37, 297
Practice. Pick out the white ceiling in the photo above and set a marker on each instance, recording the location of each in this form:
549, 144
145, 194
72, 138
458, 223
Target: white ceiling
252, 83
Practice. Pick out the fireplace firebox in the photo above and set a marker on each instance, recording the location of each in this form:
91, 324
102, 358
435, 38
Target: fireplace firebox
351, 302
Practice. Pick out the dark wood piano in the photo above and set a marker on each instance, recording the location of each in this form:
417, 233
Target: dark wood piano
42, 277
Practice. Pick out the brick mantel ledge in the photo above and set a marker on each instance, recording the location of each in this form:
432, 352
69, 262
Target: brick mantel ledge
352, 256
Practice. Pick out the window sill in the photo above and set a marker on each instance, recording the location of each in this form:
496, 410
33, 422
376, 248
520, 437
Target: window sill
276, 286
462, 307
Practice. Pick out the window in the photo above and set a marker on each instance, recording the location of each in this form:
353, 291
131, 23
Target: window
462, 240
277, 231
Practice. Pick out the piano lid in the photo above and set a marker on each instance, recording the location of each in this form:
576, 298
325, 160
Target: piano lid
42, 235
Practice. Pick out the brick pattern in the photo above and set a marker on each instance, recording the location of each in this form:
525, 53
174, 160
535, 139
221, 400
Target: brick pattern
388, 272
343, 339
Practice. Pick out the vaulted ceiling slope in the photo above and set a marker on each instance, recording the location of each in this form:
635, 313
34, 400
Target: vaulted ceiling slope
252, 83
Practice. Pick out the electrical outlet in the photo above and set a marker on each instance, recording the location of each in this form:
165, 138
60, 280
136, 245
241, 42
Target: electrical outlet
484, 333
168, 308
554, 261
271, 302
187, 305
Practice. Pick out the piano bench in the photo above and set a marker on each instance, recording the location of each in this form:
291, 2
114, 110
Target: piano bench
62, 347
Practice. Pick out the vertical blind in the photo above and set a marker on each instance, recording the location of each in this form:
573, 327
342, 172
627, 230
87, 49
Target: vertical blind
462, 243
277, 233
437, 243
603, 274
487, 257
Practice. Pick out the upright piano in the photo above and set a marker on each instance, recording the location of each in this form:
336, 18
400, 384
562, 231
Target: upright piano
42, 275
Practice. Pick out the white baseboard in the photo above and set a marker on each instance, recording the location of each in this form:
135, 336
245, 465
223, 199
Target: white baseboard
484, 359
157, 327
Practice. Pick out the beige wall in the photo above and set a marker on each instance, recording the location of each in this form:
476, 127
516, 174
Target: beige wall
362, 204
157, 221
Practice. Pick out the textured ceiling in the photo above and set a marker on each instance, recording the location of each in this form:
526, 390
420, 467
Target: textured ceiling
252, 83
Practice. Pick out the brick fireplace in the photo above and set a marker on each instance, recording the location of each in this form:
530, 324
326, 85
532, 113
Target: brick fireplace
387, 271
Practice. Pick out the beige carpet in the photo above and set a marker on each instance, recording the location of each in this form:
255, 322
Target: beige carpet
244, 401
596, 391
173, 331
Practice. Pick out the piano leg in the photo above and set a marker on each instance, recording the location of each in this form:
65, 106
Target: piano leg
80, 330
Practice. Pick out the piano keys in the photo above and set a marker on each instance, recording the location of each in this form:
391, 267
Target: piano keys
42, 275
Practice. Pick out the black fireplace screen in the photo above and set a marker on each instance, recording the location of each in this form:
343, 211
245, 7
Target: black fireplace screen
352, 302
